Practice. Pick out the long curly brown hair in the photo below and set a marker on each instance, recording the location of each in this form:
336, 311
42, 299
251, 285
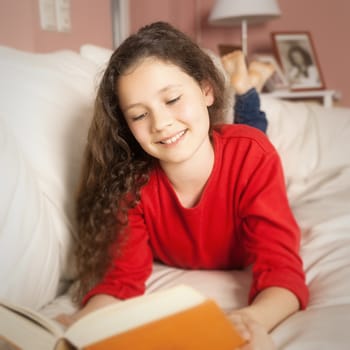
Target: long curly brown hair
115, 166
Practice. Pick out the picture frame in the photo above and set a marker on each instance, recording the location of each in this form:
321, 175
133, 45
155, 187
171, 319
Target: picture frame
277, 81
296, 54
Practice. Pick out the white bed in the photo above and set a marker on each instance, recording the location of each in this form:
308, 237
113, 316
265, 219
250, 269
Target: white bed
45, 109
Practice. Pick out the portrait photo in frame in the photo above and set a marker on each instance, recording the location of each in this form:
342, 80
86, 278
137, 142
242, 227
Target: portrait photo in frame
297, 56
277, 81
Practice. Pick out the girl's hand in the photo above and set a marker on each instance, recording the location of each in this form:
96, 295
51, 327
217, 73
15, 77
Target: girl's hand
253, 332
65, 320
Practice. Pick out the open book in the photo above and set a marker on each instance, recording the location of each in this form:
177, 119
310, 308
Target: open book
177, 318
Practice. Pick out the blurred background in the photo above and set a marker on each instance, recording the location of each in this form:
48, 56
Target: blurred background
106, 22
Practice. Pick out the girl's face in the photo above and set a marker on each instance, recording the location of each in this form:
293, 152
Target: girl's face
298, 58
166, 110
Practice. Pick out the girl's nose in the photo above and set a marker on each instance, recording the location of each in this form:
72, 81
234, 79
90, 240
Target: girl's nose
161, 119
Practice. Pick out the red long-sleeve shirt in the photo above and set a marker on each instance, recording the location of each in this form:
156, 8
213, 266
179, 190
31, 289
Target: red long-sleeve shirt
243, 218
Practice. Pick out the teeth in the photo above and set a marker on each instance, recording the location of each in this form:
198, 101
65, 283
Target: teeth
174, 138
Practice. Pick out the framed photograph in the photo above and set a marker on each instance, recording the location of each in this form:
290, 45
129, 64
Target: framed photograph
297, 56
278, 80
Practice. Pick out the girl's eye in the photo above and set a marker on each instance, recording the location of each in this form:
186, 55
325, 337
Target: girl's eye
139, 117
172, 101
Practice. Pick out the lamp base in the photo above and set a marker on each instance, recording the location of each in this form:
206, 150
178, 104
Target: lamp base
244, 29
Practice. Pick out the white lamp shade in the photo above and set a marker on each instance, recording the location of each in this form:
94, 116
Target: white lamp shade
230, 12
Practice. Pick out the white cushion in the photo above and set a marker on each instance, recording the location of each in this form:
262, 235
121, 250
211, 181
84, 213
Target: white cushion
96, 54
28, 238
45, 108
313, 142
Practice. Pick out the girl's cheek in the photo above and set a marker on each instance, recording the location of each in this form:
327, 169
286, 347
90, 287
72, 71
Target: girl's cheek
141, 131
184, 112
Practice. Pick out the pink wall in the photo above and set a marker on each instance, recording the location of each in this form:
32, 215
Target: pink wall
20, 26
327, 20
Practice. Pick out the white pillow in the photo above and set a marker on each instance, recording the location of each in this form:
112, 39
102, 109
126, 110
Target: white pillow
96, 54
313, 142
45, 108
29, 253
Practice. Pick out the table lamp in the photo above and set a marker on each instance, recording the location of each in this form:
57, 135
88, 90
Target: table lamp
232, 12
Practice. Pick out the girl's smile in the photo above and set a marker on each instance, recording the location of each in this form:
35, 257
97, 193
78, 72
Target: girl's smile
173, 139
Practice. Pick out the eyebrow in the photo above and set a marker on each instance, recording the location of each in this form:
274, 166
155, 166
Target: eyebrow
164, 89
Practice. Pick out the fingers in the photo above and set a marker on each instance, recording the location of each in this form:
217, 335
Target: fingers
261, 340
64, 319
253, 332
240, 325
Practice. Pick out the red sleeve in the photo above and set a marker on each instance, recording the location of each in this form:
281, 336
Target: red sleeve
129, 271
271, 234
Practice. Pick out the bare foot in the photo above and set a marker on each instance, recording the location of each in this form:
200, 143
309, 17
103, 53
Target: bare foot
235, 65
259, 73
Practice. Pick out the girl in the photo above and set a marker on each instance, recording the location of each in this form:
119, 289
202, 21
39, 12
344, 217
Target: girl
163, 180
